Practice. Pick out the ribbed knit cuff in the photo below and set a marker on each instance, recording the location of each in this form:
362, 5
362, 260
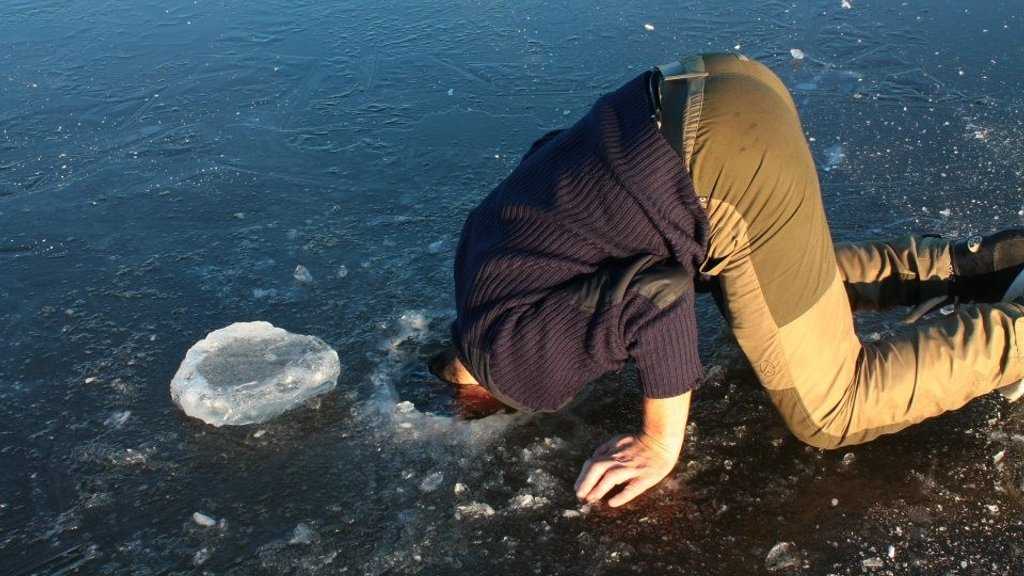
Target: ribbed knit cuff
666, 355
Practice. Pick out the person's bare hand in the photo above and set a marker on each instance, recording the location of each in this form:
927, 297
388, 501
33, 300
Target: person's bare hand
634, 461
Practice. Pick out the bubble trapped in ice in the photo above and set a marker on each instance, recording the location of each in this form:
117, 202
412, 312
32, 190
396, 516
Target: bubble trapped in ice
250, 372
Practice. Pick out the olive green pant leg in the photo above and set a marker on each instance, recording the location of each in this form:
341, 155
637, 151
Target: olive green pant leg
785, 295
898, 272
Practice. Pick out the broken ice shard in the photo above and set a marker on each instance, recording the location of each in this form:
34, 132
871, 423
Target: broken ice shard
250, 372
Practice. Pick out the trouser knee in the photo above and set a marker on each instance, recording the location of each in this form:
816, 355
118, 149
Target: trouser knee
827, 435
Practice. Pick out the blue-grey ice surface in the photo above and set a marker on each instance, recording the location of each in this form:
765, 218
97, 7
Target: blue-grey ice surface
168, 168
250, 372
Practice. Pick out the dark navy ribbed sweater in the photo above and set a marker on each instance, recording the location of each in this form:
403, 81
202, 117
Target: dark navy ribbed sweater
582, 259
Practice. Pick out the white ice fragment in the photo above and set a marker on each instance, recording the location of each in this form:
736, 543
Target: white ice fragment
90, 379
992, 508
527, 502
891, 551
432, 482
474, 510
460, 489
849, 458
259, 433
203, 520
451, 91
945, 212
835, 502
436, 247
250, 372
648, 26
117, 419
797, 53
999, 457
872, 563
571, 514
201, 556
302, 275
342, 271
404, 407
845, 5
782, 556
302, 535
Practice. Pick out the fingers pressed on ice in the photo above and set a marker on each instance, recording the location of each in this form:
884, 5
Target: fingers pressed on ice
592, 471
628, 493
611, 478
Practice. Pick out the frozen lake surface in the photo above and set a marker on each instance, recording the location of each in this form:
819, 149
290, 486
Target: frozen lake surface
166, 168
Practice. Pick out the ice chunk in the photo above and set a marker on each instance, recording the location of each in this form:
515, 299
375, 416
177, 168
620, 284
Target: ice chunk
474, 510
649, 27
999, 457
201, 556
797, 53
782, 556
302, 275
527, 502
432, 482
302, 535
872, 563
203, 520
250, 372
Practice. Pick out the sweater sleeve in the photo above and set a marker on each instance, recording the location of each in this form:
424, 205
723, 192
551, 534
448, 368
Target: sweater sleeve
663, 343
540, 355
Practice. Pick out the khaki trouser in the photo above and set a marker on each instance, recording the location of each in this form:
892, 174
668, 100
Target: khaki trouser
787, 292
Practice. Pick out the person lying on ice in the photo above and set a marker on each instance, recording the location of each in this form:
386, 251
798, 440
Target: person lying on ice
697, 173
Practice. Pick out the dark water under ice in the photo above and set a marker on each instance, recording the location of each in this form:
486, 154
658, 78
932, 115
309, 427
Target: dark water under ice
165, 167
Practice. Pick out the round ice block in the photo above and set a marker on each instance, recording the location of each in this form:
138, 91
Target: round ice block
250, 372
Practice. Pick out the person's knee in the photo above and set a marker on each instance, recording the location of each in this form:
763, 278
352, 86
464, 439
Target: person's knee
825, 433
819, 437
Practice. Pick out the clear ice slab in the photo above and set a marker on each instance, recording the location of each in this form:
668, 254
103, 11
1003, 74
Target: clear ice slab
250, 372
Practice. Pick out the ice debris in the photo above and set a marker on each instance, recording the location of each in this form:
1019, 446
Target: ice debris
649, 27
302, 535
872, 563
432, 482
797, 53
782, 556
202, 520
250, 372
302, 275
845, 5
474, 510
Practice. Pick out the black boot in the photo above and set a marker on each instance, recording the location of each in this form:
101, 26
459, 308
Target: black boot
988, 268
